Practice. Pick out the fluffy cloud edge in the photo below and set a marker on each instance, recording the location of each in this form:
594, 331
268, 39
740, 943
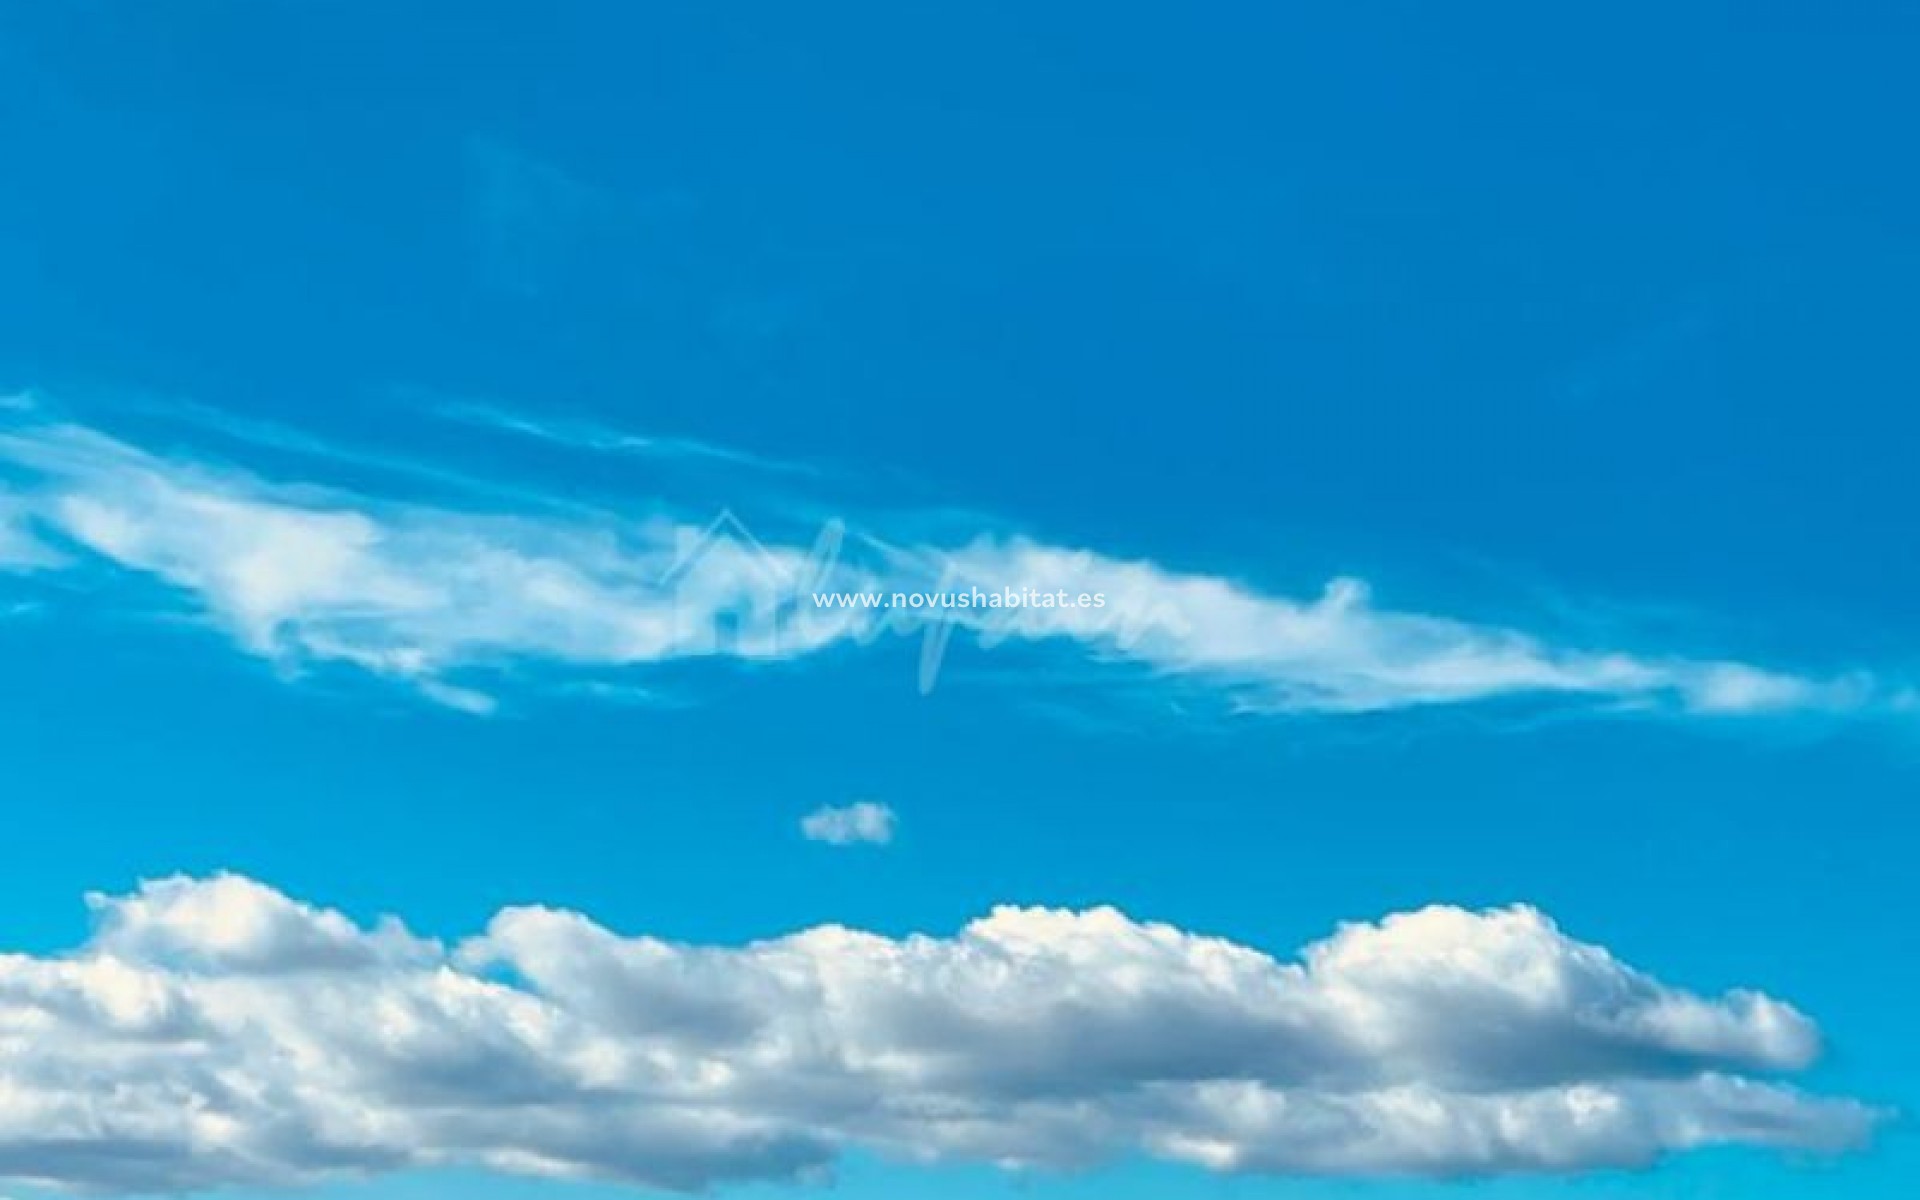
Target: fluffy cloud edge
214, 1032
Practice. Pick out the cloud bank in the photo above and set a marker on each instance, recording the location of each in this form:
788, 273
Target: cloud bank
216, 1033
447, 599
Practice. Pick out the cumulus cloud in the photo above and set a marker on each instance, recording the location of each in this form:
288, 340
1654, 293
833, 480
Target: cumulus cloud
861, 821
304, 573
214, 1032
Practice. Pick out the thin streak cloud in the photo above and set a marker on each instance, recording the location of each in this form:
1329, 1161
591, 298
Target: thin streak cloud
454, 601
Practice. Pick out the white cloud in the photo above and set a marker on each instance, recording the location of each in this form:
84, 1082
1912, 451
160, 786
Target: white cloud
214, 1032
1339, 652
442, 597
860, 822
304, 574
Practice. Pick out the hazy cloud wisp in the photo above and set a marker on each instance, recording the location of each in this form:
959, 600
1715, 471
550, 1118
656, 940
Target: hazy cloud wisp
303, 573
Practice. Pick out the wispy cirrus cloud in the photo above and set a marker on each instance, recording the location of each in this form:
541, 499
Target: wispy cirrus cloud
1340, 652
307, 572
214, 1032
581, 434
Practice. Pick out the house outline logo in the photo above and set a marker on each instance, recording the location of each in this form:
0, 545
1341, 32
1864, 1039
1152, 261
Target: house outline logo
730, 594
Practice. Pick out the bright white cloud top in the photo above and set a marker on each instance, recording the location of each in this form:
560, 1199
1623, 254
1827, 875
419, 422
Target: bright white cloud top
214, 1032
862, 822
447, 599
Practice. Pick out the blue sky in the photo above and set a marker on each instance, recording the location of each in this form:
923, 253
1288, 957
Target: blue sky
368, 365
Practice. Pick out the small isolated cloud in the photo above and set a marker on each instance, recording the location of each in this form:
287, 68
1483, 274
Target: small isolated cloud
214, 1032
863, 822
